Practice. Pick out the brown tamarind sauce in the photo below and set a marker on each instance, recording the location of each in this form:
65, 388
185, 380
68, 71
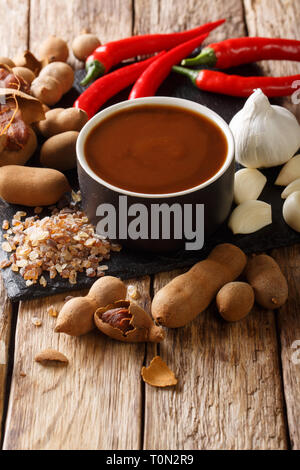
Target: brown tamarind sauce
156, 149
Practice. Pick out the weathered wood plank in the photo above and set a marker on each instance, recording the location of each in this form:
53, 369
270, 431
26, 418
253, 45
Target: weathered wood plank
96, 401
289, 329
174, 15
275, 19
233, 398
13, 27
14, 20
109, 19
228, 394
5, 327
282, 19
93, 403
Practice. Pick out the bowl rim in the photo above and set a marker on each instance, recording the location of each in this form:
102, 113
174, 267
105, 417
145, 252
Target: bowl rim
159, 100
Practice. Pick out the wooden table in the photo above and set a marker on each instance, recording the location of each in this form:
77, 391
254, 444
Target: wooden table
239, 384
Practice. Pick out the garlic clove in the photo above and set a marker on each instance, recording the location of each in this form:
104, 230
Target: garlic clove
291, 210
265, 135
289, 172
248, 184
291, 188
250, 216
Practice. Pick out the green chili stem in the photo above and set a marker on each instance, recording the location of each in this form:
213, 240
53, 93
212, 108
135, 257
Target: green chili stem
94, 70
206, 57
192, 74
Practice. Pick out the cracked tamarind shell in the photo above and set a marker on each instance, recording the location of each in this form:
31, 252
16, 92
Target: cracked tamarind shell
143, 329
28, 60
76, 317
7, 61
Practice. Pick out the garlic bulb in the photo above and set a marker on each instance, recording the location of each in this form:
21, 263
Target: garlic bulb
250, 216
291, 188
265, 135
289, 172
291, 210
248, 184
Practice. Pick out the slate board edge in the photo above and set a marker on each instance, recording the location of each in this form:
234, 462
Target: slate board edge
124, 276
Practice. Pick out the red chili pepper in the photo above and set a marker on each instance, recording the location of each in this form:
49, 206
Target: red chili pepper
149, 81
112, 53
237, 51
235, 85
109, 85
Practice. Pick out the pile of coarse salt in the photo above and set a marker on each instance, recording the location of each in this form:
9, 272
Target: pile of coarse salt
63, 244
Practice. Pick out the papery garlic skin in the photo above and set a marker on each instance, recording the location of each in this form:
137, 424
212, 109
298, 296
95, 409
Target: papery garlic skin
248, 184
265, 135
291, 210
291, 188
289, 172
250, 216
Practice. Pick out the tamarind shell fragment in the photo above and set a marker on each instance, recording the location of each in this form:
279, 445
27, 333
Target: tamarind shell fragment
140, 328
76, 317
158, 374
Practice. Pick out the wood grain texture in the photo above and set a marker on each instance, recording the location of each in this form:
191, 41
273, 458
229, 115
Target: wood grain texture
13, 39
93, 403
228, 394
13, 27
276, 19
281, 18
5, 328
174, 15
289, 329
109, 19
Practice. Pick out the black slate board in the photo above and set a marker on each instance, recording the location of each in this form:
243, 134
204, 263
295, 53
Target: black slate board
127, 264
